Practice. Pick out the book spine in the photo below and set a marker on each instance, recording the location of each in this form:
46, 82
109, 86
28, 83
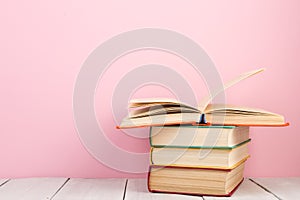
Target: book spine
151, 157
148, 179
150, 136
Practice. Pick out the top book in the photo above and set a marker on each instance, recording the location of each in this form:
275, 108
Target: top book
162, 111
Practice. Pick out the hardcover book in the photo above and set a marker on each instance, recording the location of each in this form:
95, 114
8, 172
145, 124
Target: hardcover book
222, 158
187, 136
195, 181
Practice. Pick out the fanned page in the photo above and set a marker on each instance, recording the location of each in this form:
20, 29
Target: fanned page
161, 110
148, 102
242, 116
206, 100
232, 109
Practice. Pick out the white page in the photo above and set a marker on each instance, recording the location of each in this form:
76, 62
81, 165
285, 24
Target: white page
206, 100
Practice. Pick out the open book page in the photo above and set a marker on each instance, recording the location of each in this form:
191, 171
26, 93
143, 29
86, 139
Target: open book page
162, 102
233, 109
206, 100
160, 110
159, 120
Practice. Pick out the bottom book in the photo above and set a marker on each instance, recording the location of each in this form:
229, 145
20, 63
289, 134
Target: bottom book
195, 181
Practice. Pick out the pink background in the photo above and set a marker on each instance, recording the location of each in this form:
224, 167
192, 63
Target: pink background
43, 45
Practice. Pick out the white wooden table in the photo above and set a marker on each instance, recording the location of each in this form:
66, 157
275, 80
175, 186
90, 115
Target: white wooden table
135, 189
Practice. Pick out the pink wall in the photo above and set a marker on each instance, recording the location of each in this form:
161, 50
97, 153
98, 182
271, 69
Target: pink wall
43, 45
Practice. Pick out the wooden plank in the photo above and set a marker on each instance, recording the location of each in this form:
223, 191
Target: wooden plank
246, 191
30, 188
284, 188
137, 190
89, 189
3, 180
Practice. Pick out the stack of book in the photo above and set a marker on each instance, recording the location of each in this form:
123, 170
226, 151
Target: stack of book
198, 150
197, 160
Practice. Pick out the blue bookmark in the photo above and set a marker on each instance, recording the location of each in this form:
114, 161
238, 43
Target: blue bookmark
202, 119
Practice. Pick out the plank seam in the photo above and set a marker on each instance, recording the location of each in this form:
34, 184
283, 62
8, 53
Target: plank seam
266, 189
4, 182
125, 188
59, 189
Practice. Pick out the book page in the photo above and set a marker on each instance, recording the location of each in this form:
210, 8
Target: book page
160, 110
163, 102
206, 100
233, 109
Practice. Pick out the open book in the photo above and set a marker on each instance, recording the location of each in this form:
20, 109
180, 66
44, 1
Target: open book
161, 111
